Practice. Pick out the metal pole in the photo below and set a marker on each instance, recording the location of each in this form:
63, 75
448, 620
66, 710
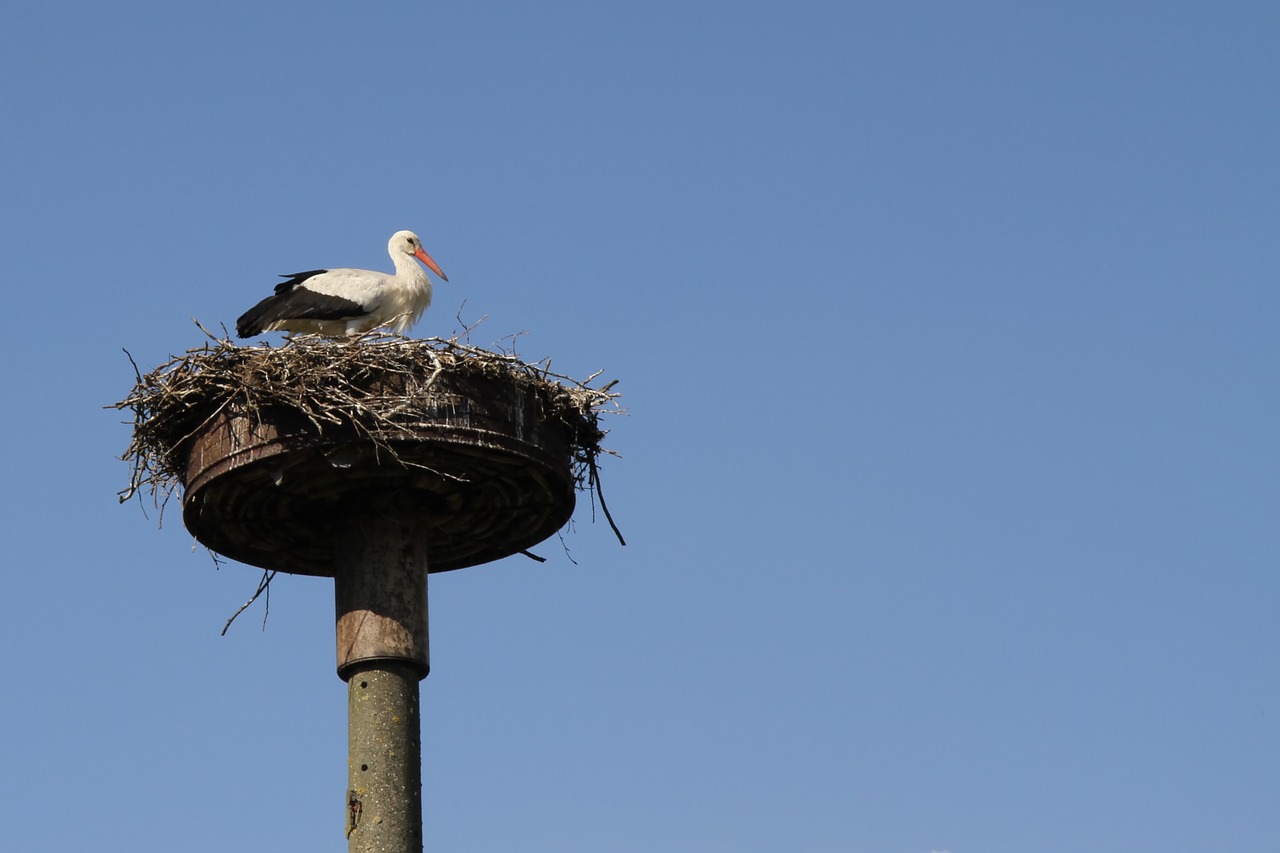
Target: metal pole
380, 585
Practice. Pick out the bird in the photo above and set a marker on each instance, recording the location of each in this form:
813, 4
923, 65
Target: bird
343, 302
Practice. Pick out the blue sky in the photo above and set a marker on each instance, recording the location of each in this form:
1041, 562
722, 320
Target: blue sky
948, 337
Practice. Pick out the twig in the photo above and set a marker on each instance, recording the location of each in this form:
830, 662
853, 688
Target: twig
595, 480
136, 371
565, 546
264, 585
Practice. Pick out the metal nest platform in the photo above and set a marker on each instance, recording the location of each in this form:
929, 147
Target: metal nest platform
272, 447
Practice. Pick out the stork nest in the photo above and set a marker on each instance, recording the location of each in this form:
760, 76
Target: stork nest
338, 384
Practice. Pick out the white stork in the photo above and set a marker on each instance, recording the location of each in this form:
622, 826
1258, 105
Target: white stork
345, 302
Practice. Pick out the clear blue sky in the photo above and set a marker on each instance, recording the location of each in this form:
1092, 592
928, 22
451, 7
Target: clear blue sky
949, 337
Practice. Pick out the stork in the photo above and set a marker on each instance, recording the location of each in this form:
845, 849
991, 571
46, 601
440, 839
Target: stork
343, 302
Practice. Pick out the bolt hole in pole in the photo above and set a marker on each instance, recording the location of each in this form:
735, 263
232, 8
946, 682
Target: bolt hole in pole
380, 585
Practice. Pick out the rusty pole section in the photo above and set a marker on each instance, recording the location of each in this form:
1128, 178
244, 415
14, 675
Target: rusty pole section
380, 586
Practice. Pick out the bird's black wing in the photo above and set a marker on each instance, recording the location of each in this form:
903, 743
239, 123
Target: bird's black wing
295, 279
293, 301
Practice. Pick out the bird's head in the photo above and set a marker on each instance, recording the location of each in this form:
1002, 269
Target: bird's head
408, 242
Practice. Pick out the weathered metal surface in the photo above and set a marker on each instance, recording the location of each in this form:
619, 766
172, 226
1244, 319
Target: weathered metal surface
384, 761
380, 587
491, 475
380, 596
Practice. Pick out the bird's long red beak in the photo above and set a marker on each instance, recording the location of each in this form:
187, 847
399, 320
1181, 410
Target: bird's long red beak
422, 255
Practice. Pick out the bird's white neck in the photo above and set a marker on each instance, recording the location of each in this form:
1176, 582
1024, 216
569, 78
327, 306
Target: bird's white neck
410, 294
408, 268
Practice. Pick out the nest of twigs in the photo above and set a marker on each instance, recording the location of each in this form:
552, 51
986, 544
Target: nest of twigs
374, 386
